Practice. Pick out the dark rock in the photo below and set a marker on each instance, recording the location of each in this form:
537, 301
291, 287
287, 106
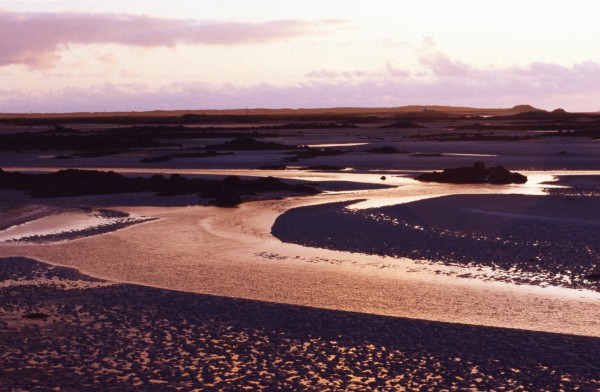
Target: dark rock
74, 182
36, 316
269, 183
479, 166
307, 153
423, 154
207, 374
227, 198
250, 144
161, 158
477, 174
386, 150
168, 157
272, 167
324, 168
593, 277
403, 123
232, 182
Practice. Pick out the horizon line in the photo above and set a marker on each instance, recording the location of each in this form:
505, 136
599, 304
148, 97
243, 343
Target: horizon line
248, 110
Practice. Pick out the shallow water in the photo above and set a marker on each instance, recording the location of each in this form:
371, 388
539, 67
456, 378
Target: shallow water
413, 190
231, 252
53, 224
67, 225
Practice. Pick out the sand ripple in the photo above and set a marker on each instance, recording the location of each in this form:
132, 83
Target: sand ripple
127, 337
530, 239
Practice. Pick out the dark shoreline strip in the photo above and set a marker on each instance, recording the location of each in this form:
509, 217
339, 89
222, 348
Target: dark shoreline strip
532, 249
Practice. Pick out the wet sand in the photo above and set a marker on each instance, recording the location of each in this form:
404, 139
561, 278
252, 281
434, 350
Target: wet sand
231, 252
128, 337
52, 226
541, 240
261, 314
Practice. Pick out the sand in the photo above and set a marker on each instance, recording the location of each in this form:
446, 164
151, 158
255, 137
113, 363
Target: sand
48, 227
231, 252
543, 240
205, 298
128, 337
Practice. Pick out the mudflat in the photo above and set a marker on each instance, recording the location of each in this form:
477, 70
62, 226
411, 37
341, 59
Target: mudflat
372, 280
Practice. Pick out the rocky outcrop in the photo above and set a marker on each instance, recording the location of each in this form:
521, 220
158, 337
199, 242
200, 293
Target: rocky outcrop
593, 277
74, 182
226, 198
250, 144
476, 174
386, 150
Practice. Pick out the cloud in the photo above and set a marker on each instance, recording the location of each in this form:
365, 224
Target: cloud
439, 80
394, 71
535, 82
441, 65
509, 87
323, 74
330, 75
35, 39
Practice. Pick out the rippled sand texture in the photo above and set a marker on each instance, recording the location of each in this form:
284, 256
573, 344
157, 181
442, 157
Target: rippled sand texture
528, 239
230, 252
262, 314
133, 337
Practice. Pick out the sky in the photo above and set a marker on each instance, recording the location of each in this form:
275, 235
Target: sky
105, 55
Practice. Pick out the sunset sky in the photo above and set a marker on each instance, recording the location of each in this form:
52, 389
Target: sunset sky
66, 56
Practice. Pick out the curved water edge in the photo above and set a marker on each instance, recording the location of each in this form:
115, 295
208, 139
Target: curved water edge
70, 224
252, 334
524, 239
231, 252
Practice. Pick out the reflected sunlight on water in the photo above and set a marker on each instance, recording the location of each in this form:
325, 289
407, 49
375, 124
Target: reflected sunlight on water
231, 252
65, 221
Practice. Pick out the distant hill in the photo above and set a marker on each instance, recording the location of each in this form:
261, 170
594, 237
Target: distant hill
525, 109
351, 111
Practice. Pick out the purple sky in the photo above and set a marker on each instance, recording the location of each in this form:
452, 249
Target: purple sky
58, 57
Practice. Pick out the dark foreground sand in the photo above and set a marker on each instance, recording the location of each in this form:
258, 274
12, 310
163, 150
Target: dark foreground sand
545, 240
125, 337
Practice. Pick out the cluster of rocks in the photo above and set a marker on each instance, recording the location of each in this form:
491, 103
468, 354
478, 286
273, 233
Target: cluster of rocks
73, 182
475, 174
308, 153
193, 154
228, 195
386, 150
250, 144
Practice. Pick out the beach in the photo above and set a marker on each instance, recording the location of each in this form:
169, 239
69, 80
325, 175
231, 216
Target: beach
541, 239
379, 282
133, 337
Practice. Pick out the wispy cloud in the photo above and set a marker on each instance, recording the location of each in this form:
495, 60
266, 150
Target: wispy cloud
329, 74
440, 79
35, 39
536, 78
443, 66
